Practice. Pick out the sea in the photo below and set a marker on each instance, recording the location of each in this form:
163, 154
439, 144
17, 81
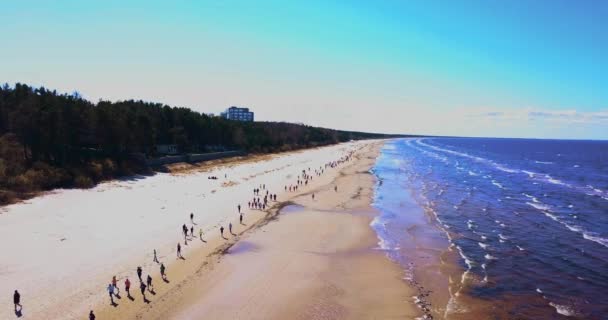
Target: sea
525, 219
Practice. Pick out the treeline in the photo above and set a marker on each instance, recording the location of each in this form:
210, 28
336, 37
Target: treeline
50, 140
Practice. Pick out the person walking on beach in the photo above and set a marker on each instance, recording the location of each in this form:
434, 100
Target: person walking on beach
142, 288
128, 287
336, 188
111, 293
149, 282
222, 231
313, 196
192, 232
241, 218
230, 228
191, 217
117, 291
200, 234
91, 315
162, 272
155, 257
17, 300
179, 253
239, 207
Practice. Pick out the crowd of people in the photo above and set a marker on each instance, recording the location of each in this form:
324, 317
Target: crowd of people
260, 201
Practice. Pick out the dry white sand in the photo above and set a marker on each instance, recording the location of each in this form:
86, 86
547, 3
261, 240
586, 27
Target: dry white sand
60, 250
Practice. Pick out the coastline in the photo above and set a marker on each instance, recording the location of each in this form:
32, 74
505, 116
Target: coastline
304, 259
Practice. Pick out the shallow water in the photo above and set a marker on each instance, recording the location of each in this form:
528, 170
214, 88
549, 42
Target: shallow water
528, 218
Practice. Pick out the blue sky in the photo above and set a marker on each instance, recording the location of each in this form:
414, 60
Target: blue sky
478, 68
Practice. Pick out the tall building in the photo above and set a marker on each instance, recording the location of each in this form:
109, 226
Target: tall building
238, 114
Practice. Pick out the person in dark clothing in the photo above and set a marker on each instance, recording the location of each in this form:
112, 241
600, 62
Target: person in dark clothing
192, 217
139, 273
149, 282
239, 207
241, 218
155, 257
162, 272
179, 251
17, 300
142, 288
91, 315
222, 231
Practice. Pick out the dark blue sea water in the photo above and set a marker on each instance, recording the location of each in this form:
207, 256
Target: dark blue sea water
528, 218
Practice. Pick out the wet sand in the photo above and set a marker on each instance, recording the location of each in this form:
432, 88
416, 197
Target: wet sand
305, 259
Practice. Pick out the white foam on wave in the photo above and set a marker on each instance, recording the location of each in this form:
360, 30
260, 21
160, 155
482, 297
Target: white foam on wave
504, 169
595, 238
500, 186
490, 257
483, 245
529, 173
576, 166
591, 236
543, 162
520, 248
563, 310
539, 206
471, 173
470, 224
539, 291
502, 237
531, 197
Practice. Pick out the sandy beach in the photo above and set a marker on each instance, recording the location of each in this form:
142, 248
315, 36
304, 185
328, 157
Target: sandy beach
317, 260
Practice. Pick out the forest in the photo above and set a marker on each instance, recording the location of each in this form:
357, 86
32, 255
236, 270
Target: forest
54, 140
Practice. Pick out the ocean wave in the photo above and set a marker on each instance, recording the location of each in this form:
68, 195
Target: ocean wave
483, 245
530, 174
536, 177
504, 168
500, 186
591, 236
595, 238
563, 310
520, 248
543, 162
539, 206
490, 257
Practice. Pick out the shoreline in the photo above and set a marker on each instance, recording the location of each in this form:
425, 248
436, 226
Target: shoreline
335, 226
